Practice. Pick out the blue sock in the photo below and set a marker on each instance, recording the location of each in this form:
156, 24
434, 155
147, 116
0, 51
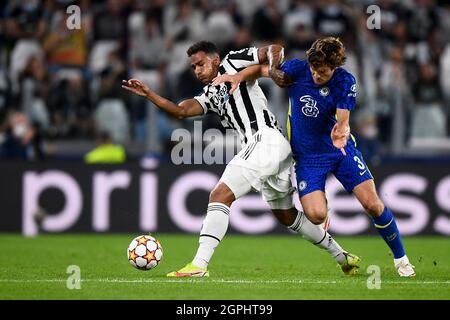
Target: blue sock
388, 230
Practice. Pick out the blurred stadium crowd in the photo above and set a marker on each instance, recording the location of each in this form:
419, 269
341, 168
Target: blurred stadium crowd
59, 86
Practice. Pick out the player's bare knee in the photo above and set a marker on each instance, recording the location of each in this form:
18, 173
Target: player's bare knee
374, 207
316, 216
221, 193
317, 219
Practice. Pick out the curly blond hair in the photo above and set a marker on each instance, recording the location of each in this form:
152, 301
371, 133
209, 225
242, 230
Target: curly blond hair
326, 52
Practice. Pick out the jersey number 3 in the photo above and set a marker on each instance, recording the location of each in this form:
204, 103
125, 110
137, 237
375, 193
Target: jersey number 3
360, 163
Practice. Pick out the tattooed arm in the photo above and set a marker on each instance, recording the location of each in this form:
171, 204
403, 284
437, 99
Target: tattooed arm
270, 58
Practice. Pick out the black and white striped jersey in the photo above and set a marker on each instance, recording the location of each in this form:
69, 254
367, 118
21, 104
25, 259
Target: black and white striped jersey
245, 111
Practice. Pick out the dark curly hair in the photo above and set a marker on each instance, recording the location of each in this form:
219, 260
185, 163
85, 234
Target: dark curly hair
326, 51
205, 46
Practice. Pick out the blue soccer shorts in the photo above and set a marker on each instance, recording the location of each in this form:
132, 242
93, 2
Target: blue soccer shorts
312, 172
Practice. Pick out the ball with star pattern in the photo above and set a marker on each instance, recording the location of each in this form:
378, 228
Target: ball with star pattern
144, 252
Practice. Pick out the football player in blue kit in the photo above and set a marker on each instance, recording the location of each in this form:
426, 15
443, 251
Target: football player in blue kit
321, 96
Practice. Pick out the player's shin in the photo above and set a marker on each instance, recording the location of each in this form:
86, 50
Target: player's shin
213, 230
387, 228
317, 236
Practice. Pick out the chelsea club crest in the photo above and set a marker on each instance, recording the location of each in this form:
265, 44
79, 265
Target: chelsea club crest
324, 91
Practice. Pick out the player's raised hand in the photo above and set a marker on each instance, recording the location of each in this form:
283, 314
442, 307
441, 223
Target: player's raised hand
136, 86
339, 136
233, 79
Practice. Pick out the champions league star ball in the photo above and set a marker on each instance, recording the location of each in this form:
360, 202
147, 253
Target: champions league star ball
144, 252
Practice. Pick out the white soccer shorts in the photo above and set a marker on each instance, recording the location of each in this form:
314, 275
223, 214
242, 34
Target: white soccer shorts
264, 164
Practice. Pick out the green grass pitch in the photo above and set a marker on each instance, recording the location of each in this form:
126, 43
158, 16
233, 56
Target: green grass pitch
243, 267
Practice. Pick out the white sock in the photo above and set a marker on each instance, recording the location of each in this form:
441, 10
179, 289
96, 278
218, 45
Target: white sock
213, 230
402, 259
317, 236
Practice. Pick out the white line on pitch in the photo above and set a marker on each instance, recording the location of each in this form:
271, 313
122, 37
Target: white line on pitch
411, 281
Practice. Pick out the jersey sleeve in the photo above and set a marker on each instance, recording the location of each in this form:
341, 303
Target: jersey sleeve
243, 58
294, 68
203, 100
346, 98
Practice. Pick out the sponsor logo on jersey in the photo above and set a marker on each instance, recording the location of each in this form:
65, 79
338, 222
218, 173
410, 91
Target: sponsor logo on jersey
309, 109
353, 91
219, 97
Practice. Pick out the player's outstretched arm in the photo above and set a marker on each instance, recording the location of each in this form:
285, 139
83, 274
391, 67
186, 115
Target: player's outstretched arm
250, 73
270, 59
341, 130
186, 108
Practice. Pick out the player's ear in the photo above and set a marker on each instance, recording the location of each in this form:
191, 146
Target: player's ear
216, 60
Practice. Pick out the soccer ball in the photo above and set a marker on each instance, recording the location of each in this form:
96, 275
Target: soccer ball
144, 252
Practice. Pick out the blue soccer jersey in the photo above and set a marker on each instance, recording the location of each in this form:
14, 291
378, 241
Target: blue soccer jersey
311, 118
312, 108
312, 115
